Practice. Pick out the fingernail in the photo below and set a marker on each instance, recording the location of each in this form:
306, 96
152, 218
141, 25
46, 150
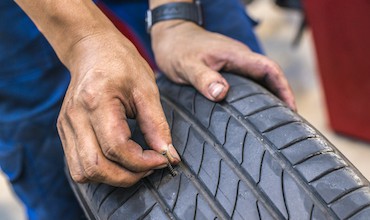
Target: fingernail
173, 153
215, 89
148, 173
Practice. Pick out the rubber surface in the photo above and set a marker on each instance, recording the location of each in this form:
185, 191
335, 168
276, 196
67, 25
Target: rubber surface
248, 157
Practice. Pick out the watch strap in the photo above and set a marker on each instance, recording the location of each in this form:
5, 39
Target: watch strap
176, 10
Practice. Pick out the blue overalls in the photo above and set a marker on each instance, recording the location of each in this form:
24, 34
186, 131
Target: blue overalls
32, 86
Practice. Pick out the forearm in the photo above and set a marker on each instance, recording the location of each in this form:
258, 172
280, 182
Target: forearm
66, 22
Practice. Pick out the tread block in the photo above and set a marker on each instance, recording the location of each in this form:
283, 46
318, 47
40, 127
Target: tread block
101, 194
251, 104
298, 204
219, 122
264, 214
155, 213
187, 98
227, 188
193, 151
273, 117
306, 148
180, 137
253, 154
168, 112
336, 184
169, 189
317, 214
362, 215
235, 137
135, 206
349, 204
241, 91
271, 182
246, 204
118, 199
185, 206
209, 171
320, 165
203, 110
235, 80
288, 134
203, 210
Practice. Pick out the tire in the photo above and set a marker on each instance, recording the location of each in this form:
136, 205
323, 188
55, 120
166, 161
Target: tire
248, 157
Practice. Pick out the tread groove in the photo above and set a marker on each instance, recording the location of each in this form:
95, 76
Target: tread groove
296, 141
278, 126
262, 109
177, 195
281, 159
159, 199
346, 193
186, 142
196, 206
241, 174
201, 159
260, 171
147, 212
96, 189
105, 198
357, 211
243, 146
219, 177
283, 192
212, 111
236, 199
208, 197
313, 155
247, 96
123, 202
258, 210
227, 127
326, 173
311, 212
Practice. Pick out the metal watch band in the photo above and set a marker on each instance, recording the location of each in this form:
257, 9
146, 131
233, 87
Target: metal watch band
176, 10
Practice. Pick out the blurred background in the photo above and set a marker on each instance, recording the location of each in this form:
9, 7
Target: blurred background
278, 28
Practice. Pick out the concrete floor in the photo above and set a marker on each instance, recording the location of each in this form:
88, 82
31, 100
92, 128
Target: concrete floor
276, 30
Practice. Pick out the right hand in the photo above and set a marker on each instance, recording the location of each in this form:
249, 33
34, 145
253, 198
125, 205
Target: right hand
111, 82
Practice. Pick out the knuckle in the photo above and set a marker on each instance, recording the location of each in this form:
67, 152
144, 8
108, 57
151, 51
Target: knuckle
92, 171
110, 151
88, 97
78, 178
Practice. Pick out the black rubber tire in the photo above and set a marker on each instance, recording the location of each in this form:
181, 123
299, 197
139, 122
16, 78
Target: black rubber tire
248, 157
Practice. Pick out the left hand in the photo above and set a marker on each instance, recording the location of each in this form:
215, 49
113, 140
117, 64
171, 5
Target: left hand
188, 54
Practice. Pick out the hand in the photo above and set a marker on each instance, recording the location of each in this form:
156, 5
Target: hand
110, 83
188, 54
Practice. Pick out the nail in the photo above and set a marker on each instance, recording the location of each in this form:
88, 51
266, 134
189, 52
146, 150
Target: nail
169, 166
215, 89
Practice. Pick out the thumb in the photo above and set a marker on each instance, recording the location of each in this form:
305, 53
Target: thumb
208, 82
154, 126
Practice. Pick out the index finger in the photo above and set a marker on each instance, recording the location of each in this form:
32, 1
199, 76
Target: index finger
114, 136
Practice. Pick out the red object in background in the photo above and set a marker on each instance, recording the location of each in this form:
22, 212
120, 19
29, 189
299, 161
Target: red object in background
341, 31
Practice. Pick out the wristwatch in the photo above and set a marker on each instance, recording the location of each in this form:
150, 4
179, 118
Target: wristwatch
176, 10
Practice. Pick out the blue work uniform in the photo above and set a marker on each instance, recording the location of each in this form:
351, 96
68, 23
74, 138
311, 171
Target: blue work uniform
32, 86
